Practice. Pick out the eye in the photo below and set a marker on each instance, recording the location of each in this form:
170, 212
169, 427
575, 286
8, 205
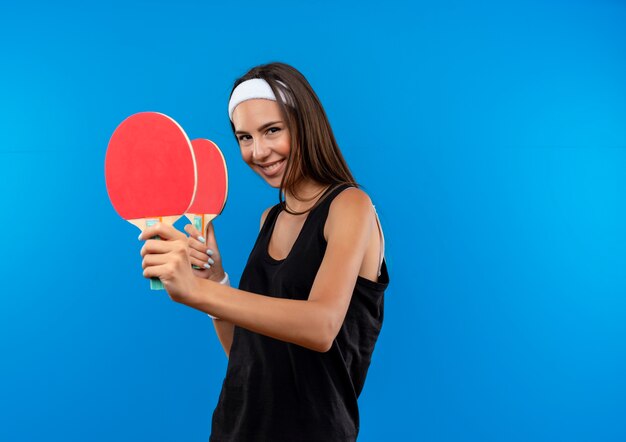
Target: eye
273, 130
243, 137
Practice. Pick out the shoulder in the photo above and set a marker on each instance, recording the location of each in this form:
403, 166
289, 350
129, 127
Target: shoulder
264, 216
351, 200
351, 207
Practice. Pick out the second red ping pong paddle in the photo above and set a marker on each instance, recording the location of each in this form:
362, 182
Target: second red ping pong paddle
150, 171
212, 186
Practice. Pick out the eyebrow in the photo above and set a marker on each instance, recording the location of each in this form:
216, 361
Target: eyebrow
266, 125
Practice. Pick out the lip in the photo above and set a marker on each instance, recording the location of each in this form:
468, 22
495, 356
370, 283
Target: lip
275, 171
268, 164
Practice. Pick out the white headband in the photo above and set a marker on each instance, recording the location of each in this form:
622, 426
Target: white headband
250, 90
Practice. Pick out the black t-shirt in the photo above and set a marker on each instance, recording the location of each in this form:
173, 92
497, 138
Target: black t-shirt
279, 391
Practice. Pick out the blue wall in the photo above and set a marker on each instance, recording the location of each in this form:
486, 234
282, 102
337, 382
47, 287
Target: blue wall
502, 129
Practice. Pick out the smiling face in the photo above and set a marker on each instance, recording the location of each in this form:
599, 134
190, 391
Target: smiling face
263, 137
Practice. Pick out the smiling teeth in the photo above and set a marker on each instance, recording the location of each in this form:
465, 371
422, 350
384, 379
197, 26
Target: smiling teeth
273, 166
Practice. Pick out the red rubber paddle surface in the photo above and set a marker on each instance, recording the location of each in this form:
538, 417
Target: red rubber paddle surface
212, 187
150, 169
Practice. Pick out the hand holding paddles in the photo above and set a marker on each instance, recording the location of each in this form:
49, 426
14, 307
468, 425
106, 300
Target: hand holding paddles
150, 171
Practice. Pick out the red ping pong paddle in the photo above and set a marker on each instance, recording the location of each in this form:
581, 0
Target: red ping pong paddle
150, 171
212, 186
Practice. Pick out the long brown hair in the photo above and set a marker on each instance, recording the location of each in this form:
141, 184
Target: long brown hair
314, 151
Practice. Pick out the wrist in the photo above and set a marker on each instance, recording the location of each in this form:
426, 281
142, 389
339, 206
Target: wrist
218, 278
224, 281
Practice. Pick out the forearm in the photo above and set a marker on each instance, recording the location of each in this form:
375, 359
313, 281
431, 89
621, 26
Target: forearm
225, 331
304, 323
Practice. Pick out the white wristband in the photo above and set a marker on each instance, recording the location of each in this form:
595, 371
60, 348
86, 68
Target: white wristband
224, 281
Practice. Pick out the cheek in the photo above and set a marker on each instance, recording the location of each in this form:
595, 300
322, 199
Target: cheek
245, 154
285, 145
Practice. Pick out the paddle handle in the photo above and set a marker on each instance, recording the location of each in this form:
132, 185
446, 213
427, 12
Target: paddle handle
198, 223
155, 283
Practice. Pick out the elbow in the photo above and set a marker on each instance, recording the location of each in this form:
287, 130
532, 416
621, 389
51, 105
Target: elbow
326, 346
325, 337
321, 346
317, 341
322, 329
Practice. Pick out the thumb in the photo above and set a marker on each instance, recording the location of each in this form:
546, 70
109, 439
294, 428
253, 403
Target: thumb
210, 231
192, 231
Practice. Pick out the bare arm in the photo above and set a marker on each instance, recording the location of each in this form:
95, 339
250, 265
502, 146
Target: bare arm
225, 329
313, 323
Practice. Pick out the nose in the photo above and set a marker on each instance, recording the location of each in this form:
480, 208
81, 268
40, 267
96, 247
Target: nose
259, 149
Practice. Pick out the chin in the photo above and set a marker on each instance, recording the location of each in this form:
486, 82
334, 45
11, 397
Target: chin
274, 182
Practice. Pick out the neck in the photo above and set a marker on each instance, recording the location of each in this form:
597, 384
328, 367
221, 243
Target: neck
308, 192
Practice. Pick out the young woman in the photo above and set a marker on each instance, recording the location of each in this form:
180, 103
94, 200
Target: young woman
300, 330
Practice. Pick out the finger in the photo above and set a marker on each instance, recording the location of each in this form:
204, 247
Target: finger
155, 246
151, 260
211, 241
196, 245
194, 233
201, 256
158, 246
210, 230
200, 263
163, 231
156, 271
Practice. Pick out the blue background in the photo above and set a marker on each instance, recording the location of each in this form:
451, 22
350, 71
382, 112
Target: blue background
491, 136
